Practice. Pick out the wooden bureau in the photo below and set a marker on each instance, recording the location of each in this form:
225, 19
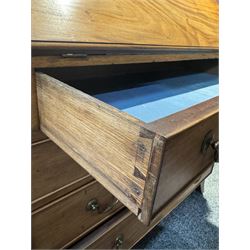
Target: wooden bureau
124, 115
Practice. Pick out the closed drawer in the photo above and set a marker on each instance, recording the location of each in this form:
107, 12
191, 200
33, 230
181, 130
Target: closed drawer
66, 219
54, 174
120, 232
143, 141
124, 230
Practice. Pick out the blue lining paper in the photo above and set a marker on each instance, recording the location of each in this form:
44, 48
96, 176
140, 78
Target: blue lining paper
158, 99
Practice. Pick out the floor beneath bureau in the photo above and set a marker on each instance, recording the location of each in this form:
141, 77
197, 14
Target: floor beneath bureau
194, 224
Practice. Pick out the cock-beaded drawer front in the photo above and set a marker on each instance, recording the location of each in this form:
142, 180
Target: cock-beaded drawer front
124, 230
65, 220
54, 173
128, 137
121, 232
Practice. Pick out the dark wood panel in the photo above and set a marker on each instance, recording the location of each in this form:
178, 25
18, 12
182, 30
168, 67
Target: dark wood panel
34, 111
126, 225
158, 22
66, 219
59, 61
54, 173
183, 159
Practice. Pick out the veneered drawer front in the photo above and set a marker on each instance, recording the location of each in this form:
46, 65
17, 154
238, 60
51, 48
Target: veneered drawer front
63, 221
121, 232
183, 159
123, 153
54, 173
124, 230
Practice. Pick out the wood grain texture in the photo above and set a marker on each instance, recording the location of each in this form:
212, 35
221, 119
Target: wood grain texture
66, 219
183, 160
111, 145
152, 179
184, 132
54, 174
124, 154
158, 22
126, 224
59, 61
174, 124
55, 48
36, 133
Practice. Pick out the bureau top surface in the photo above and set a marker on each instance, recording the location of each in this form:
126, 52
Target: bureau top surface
178, 23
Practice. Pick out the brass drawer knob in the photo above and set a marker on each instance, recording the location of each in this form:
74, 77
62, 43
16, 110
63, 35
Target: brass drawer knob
209, 142
93, 206
119, 242
215, 146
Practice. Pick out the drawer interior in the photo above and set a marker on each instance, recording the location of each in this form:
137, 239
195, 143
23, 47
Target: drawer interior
139, 153
157, 99
150, 93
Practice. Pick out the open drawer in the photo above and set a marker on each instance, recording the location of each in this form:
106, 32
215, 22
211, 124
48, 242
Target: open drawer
145, 141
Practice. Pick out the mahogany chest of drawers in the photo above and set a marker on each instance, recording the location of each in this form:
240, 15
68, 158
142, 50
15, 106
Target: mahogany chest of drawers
124, 116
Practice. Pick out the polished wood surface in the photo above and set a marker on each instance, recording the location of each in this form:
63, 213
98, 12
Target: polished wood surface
66, 219
131, 172
174, 124
184, 132
159, 22
183, 160
126, 224
128, 157
54, 173
94, 60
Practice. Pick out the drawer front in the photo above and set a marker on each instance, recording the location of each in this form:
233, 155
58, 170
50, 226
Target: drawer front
126, 155
54, 173
66, 219
124, 230
123, 233
183, 159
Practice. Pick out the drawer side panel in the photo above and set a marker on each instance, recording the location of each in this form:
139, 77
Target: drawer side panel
109, 144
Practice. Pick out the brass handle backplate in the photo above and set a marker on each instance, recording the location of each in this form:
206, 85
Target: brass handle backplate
118, 242
210, 142
93, 206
